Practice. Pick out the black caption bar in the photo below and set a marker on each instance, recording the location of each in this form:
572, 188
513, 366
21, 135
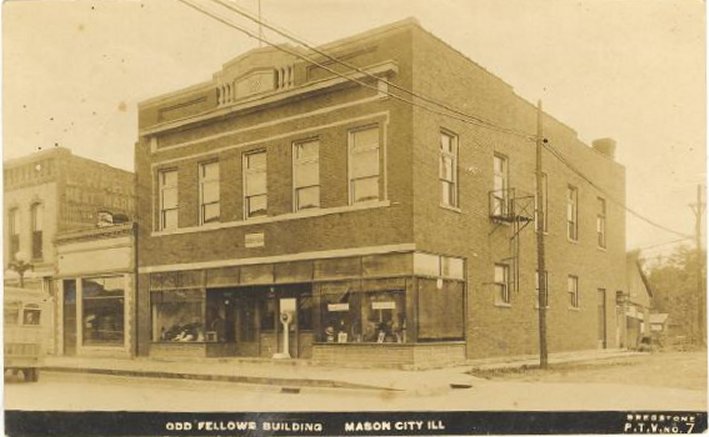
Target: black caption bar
40, 423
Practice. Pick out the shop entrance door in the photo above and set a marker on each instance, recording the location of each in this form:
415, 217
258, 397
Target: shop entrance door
602, 343
69, 306
245, 325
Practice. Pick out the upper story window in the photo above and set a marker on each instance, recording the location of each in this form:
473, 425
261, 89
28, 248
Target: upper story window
573, 290
37, 217
502, 283
255, 194
364, 164
601, 222
545, 296
168, 199
572, 213
544, 204
306, 175
209, 192
500, 186
13, 220
448, 169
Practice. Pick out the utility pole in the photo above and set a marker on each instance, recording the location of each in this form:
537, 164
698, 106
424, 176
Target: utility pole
541, 267
698, 210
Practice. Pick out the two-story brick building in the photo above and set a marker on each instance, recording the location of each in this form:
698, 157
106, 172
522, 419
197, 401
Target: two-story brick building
390, 233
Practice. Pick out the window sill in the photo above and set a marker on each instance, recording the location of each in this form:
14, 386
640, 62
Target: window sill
503, 305
450, 208
315, 212
574, 308
547, 308
572, 241
602, 249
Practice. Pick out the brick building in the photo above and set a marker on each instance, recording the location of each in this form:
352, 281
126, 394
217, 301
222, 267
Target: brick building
389, 234
52, 192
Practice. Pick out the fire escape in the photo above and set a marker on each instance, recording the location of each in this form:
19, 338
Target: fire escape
516, 209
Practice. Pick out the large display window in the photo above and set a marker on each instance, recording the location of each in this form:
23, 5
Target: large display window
178, 316
363, 316
440, 310
103, 301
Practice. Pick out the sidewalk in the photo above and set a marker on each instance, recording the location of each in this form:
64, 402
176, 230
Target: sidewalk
293, 375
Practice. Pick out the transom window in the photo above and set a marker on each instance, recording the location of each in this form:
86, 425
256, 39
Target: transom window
306, 175
168, 199
255, 194
502, 283
364, 165
209, 192
448, 169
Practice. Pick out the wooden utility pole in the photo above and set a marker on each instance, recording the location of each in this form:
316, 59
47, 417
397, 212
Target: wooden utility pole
698, 209
541, 267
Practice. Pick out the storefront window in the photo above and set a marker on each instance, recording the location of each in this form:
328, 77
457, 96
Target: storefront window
370, 316
384, 314
103, 302
178, 316
440, 310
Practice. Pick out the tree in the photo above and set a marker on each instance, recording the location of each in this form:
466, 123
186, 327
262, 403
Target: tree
674, 282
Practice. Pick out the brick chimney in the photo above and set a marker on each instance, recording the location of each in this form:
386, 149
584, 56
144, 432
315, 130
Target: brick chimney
605, 146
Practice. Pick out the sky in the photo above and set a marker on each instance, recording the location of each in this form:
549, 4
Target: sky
634, 70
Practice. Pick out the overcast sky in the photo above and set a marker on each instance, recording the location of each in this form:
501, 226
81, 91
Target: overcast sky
629, 69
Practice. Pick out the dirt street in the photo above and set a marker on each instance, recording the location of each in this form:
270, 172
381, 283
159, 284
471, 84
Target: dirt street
683, 370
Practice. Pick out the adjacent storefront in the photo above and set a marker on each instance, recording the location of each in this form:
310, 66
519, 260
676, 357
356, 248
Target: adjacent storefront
95, 287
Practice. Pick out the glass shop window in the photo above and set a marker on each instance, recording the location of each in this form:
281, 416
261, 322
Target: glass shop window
103, 301
178, 316
384, 316
340, 318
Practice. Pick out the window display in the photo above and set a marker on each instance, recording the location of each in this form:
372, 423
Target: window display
178, 316
103, 301
371, 316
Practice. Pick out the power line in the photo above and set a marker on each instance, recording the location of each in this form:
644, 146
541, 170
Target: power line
563, 160
291, 36
459, 115
466, 119
653, 246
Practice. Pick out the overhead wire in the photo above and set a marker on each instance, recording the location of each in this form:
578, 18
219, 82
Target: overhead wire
465, 119
610, 197
291, 36
451, 112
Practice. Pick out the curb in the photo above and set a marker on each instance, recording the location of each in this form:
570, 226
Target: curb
286, 383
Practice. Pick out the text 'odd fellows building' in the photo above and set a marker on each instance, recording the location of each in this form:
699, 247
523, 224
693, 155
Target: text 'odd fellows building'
281, 203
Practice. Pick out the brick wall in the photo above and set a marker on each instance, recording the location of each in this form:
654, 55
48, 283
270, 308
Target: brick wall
497, 330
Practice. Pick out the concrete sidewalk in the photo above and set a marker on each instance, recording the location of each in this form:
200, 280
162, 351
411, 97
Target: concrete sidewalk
298, 374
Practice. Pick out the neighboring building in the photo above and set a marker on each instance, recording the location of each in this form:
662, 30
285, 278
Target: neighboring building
637, 308
95, 291
50, 193
54, 191
388, 234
